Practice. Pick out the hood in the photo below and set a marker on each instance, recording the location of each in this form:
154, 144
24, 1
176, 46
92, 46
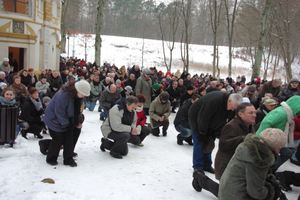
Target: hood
255, 151
107, 89
121, 104
294, 104
187, 103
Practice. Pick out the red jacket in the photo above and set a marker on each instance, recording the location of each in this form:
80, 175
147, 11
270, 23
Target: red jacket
141, 118
297, 128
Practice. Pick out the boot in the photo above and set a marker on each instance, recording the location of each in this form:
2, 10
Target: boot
189, 140
102, 145
195, 182
179, 140
155, 132
38, 135
281, 177
43, 149
71, 163
24, 133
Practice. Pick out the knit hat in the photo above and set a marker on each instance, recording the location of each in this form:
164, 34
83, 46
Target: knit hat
118, 81
164, 96
273, 137
83, 87
189, 87
269, 102
2, 83
128, 88
147, 71
156, 86
6, 59
294, 80
46, 99
160, 72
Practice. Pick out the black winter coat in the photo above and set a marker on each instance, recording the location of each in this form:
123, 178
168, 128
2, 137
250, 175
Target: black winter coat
182, 117
209, 114
174, 93
29, 113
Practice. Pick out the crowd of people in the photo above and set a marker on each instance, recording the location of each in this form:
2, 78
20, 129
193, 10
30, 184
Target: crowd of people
253, 120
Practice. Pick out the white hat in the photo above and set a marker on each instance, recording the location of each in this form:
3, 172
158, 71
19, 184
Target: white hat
273, 137
246, 100
83, 87
6, 59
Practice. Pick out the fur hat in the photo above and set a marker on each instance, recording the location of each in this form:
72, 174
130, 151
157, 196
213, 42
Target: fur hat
83, 87
273, 137
6, 59
147, 71
128, 88
156, 86
294, 80
46, 99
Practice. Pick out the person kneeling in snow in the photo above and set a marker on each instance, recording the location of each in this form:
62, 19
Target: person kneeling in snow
120, 122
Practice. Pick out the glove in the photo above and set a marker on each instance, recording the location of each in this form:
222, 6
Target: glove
277, 187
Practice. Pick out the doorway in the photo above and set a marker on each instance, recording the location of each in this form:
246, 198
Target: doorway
16, 58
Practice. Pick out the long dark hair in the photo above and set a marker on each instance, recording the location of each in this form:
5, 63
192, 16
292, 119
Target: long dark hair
70, 87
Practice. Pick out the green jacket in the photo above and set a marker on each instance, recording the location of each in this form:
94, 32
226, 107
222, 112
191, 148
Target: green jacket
277, 117
157, 110
245, 176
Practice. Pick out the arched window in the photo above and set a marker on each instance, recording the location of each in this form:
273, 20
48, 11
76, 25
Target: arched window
16, 6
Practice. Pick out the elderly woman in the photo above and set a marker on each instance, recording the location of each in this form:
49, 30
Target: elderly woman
20, 89
31, 112
61, 119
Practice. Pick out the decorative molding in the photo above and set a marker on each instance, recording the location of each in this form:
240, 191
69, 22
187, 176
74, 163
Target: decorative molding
18, 36
41, 42
48, 11
30, 30
13, 41
40, 14
55, 20
5, 27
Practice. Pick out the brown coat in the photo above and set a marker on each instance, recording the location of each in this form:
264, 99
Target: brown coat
231, 136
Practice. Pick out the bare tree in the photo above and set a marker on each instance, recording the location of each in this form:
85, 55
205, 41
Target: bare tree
65, 4
168, 20
261, 43
186, 11
215, 12
98, 39
286, 19
231, 14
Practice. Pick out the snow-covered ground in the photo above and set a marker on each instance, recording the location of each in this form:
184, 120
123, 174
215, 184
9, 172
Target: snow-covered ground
159, 170
148, 53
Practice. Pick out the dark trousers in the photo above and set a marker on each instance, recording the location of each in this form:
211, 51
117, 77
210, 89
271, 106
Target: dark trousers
164, 124
137, 139
174, 105
58, 139
119, 143
46, 143
35, 128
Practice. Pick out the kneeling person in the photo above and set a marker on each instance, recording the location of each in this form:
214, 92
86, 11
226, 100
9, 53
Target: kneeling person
118, 126
181, 121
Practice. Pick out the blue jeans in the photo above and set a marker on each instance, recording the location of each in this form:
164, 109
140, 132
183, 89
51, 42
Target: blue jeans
200, 160
104, 114
285, 154
91, 105
183, 132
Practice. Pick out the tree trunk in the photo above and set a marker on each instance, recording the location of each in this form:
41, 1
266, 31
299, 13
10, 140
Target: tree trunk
63, 26
261, 43
98, 39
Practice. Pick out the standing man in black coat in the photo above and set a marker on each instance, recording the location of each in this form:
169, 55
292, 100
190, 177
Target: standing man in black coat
175, 95
207, 117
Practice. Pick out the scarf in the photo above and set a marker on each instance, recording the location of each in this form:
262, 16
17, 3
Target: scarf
37, 103
4, 101
289, 130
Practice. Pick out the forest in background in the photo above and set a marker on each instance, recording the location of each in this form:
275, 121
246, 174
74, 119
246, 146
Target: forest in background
271, 26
